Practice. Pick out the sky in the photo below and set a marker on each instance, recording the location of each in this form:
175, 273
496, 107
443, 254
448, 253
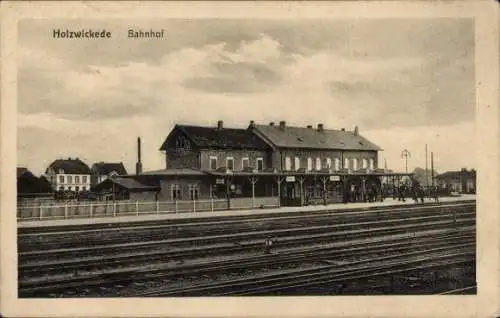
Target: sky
404, 82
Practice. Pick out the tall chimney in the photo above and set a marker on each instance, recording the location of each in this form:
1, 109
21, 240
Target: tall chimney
356, 130
320, 127
220, 124
138, 165
282, 124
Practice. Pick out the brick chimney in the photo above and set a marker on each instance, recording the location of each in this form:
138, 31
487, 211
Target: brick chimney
356, 131
320, 127
282, 125
220, 124
252, 124
138, 165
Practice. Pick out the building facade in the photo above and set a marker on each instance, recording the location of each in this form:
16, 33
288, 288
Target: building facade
69, 175
103, 170
463, 181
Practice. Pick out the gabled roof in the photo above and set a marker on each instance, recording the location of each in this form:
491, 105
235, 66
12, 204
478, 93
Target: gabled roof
456, 175
303, 137
70, 166
174, 172
105, 168
213, 137
127, 183
21, 171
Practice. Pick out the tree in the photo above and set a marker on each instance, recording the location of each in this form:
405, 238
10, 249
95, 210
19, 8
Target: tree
419, 174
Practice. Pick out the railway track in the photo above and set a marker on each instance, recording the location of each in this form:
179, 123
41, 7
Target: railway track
442, 242
246, 239
188, 228
302, 243
363, 269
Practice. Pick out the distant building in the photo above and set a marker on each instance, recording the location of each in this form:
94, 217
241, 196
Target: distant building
463, 181
103, 170
30, 186
119, 188
69, 175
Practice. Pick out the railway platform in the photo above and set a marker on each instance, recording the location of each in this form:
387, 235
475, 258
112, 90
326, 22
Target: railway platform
193, 215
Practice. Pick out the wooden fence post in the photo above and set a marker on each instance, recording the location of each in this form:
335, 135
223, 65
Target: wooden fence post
90, 212
137, 207
66, 210
176, 207
41, 212
194, 205
212, 204
157, 207
114, 209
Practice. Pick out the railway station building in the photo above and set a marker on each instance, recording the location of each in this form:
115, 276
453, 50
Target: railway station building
266, 165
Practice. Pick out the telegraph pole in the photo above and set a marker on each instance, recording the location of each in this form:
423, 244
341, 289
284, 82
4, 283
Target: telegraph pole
426, 168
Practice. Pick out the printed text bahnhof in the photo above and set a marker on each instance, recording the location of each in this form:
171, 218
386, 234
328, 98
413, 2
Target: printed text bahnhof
104, 34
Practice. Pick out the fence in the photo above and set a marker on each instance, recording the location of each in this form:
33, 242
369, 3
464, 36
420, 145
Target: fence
130, 208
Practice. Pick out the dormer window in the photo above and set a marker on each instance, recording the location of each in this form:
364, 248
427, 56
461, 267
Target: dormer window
61, 171
182, 143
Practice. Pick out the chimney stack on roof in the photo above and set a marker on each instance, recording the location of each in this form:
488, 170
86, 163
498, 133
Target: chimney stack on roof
282, 124
138, 165
252, 124
356, 131
320, 127
220, 124
271, 123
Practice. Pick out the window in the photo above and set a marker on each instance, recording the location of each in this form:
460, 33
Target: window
77, 179
175, 192
69, 188
230, 163
260, 164
61, 179
70, 179
365, 163
318, 164
84, 189
309, 164
288, 164
372, 164
355, 164
77, 188
346, 163
213, 163
61, 171
329, 163
297, 163
244, 163
182, 144
337, 164
194, 191
84, 179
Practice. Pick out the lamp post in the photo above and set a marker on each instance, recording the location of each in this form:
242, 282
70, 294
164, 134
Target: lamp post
405, 154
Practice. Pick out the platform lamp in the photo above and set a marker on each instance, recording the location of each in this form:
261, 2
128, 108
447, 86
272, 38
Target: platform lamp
405, 154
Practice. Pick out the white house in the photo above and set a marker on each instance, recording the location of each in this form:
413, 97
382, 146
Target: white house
69, 175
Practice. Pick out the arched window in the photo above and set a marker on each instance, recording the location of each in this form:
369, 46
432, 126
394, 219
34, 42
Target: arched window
346, 163
329, 163
309, 164
354, 164
318, 164
337, 164
297, 163
288, 164
372, 164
